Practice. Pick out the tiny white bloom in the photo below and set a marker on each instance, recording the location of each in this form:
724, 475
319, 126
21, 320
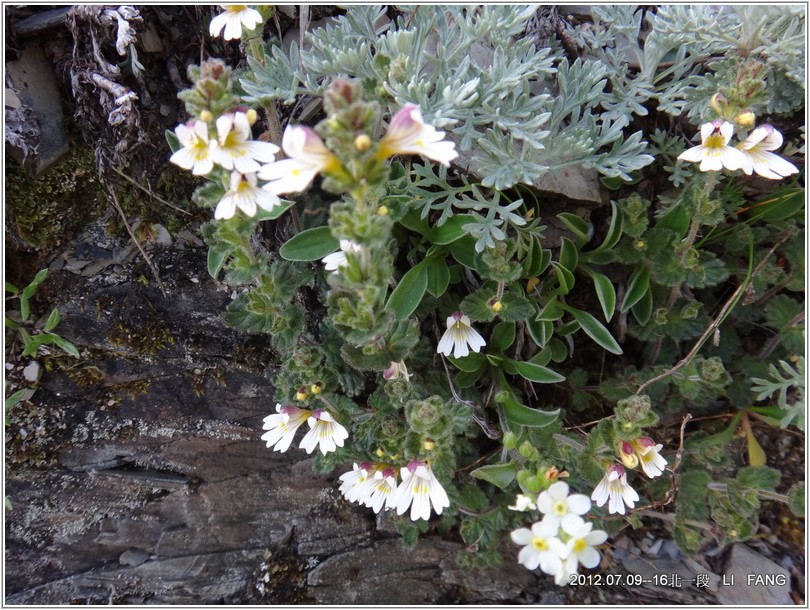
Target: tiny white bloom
557, 505
385, 484
419, 489
408, 134
234, 147
459, 337
281, 427
757, 147
523, 503
308, 156
235, 17
244, 195
325, 432
196, 152
614, 486
579, 548
358, 483
713, 152
648, 454
541, 547
332, 262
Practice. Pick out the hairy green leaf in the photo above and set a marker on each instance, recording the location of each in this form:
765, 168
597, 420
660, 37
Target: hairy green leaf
309, 245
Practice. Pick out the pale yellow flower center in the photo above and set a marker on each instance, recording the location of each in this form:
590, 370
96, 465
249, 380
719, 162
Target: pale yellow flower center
200, 149
716, 140
232, 140
580, 545
560, 508
540, 544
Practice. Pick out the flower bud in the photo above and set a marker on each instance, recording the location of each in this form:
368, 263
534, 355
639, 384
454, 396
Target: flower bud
745, 119
316, 388
529, 451
362, 142
206, 116
302, 393
429, 444
532, 284
509, 440
497, 306
252, 116
627, 455
379, 453
718, 103
383, 210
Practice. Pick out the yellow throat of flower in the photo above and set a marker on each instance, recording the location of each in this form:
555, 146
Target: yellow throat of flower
715, 140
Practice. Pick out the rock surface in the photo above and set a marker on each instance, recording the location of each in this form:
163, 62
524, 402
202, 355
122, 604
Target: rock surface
753, 580
33, 77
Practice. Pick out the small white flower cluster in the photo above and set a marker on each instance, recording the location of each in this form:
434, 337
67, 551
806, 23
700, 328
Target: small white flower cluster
375, 486
751, 155
234, 150
324, 431
614, 486
562, 540
250, 160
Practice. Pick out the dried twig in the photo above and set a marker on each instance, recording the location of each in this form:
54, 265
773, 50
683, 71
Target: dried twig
715, 324
149, 192
136, 242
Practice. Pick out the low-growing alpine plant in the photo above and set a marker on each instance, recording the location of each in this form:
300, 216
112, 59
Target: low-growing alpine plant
428, 332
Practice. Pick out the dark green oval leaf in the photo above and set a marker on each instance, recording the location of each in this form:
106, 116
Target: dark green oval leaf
463, 250
217, 255
605, 292
467, 379
643, 309
53, 320
500, 475
564, 277
551, 312
172, 140
469, 364
540, 331
575, 224
780, 205
637, 286
569, 256
438, 277
503, 335
309, 245
614, 232
522, 415
537, 373
409, 292
276, 212
66, 345
594, 329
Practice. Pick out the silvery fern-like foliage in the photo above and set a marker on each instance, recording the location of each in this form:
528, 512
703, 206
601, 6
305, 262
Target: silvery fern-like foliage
780, 384
520, 111
680, 40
